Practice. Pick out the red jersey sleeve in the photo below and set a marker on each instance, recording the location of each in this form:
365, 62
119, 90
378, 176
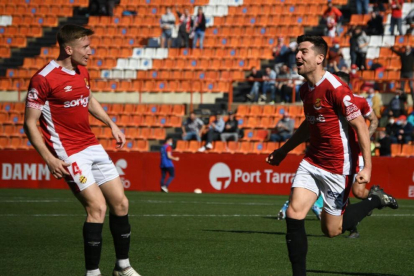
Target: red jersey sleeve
343, 101
37, 93
365, 108
168, 149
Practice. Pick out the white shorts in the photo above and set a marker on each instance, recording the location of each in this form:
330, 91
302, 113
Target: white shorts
89, 166
334, 188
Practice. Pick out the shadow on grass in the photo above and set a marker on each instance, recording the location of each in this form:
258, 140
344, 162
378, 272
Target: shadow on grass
349, 273
256, 232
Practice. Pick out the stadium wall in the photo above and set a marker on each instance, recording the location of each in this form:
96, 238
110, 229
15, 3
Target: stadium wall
212, 173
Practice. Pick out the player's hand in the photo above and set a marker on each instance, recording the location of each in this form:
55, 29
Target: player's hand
276, 157
177, 159
58, 168
119, 137
364, 176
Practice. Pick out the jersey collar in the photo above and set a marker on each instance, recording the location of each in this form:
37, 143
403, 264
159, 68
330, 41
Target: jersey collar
55, 64
319, 82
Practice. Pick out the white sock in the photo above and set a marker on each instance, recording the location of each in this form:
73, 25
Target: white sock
122, 264
95, 272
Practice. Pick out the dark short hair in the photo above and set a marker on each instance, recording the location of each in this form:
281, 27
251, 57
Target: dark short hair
320, 45
69, 33
344, 76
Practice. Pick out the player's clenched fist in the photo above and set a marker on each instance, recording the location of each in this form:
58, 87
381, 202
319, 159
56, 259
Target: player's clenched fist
276, 157
119, 137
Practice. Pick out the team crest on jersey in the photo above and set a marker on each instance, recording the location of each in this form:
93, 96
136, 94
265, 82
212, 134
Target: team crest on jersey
86, 83
318, 104
83, 179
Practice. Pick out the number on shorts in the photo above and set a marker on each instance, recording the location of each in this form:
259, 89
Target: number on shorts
75, 168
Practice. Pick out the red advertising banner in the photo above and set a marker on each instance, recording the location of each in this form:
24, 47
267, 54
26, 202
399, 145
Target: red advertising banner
209, 172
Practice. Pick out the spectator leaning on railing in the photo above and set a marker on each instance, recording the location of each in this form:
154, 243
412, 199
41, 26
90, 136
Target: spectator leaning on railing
254, 77
407, 67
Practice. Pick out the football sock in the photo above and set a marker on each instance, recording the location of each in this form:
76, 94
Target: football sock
92, 240
354, 213
297, 244
122, 264
95, 272
121, 233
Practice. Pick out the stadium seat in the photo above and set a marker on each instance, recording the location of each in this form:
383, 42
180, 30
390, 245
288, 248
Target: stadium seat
219, 147
259, 147
271, 146
181, 146
145, 133
395, 150
193, 146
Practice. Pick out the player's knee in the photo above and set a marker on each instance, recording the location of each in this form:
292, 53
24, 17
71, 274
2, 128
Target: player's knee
120, 208
295, 213
358, 193
96, 212
331, 233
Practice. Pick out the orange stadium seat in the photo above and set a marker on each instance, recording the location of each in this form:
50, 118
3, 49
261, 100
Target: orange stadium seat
181, 146
158, 134
145, 133
232, 147
193, 146
132, 132
4, 142
245, 147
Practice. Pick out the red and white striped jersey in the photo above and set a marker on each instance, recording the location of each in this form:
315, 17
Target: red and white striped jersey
63, 97
328, 107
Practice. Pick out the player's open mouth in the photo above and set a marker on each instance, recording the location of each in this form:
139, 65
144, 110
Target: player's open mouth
298, 64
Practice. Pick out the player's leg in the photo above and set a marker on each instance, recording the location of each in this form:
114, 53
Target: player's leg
110, 184
301, 201
303, 195
119, 224
94, 203
171, 175
359, 190
82, 183
163, 175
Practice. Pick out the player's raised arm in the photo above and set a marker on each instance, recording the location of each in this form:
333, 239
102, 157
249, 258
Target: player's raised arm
99, 113
361, 129
56, 166
298, 137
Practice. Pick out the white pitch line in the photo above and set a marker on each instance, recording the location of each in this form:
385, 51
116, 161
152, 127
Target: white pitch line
184, 215
36, 201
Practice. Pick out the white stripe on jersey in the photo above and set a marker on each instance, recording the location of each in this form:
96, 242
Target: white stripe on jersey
335, 83
343, 130
54, 137
48, 68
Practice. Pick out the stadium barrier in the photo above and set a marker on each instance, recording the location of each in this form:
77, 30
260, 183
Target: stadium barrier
212, 173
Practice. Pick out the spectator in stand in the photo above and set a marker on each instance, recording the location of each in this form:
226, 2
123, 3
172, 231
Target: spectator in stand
396, 15
297, 82
167, 25
184, 28
374, 100
215, 128
375, 25
199, 25
410, 30
231, 129
330, 27
283, 129
192, 128
254, 78
279, 53
362, 41
397, 104
362, 6
407, 67
283, 91
384, 144
335, 59
291, 55
269, 84
353, 46
333, 12
167, 165
402, 131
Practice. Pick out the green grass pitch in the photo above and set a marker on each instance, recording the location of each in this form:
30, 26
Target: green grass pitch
196, 235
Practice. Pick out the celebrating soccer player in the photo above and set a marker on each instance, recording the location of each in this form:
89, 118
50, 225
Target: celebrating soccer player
60, 98
332, 157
